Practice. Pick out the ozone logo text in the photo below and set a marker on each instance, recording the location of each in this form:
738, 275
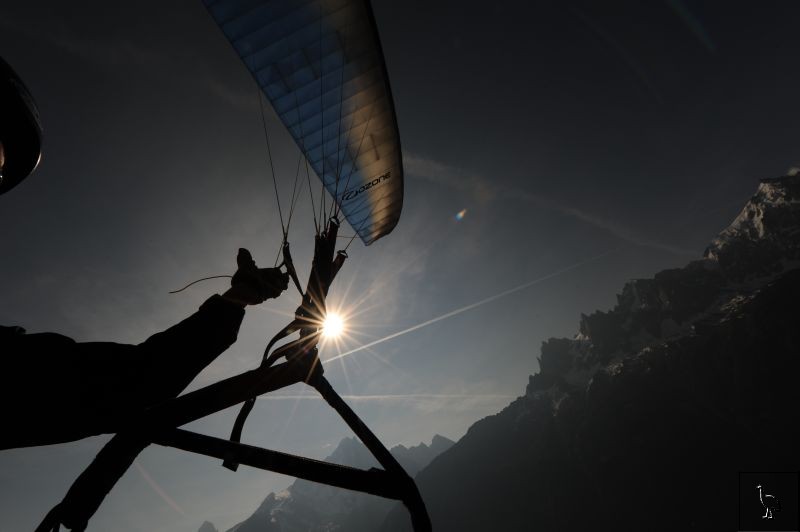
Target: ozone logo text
350, 194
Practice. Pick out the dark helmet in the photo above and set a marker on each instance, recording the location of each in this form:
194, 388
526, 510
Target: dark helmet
20, 129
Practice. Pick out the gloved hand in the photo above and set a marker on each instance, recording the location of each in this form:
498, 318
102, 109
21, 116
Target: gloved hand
251, 285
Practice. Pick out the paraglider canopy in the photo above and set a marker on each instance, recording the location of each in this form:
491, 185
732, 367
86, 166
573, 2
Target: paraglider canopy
320, 65
20, 130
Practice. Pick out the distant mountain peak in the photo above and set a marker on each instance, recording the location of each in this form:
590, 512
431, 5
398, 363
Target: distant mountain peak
309, 507
439, 442
764, 239
207, 527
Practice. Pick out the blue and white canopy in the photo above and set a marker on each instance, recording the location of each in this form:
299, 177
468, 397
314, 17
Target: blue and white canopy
320, 64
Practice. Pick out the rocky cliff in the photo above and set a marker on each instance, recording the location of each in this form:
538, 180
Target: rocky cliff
644, 420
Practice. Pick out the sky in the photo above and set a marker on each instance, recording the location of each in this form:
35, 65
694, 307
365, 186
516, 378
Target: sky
583, 144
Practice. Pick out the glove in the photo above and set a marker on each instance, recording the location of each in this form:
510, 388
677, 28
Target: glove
252, 285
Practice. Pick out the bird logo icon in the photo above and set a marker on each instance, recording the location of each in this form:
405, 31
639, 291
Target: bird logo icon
769, 502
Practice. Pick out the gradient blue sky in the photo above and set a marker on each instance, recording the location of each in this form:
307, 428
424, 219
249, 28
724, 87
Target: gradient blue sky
588, 144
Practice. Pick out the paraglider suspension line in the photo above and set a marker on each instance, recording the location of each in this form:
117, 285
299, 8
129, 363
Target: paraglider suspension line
271, 165
295, 196
305, 156
323, 212
339, 161
355, 159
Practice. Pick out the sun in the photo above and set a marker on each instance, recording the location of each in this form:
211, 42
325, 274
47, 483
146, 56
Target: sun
333, 326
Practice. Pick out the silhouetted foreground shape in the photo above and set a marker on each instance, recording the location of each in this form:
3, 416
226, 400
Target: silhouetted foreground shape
644, 420
155, 424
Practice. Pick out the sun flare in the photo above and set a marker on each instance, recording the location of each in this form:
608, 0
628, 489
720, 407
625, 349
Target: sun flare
333, 326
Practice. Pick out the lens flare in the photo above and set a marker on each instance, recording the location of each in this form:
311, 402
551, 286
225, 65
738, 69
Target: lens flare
333, 326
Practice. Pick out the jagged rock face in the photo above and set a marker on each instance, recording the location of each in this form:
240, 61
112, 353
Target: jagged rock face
761, 243
645, 419
310, 507
765, 238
